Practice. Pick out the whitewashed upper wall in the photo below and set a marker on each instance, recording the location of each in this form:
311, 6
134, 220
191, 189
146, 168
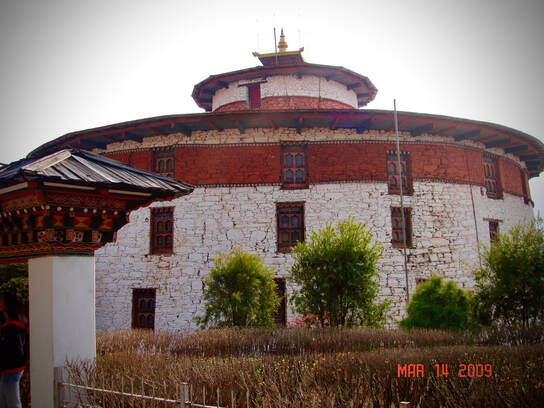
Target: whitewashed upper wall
287, 85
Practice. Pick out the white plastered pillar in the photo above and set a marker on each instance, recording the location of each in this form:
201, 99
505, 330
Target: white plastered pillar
62, 318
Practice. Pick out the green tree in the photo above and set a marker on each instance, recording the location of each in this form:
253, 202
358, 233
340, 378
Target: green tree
239, 291
337, 275
14, 278
439, 305
510, 284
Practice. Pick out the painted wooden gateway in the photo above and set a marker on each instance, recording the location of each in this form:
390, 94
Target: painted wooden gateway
55, 211
282, 149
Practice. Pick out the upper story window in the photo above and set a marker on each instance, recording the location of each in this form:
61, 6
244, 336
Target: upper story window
491, 177
525, 186
162, 230
397, 227
393, 178
294, 168
290, 219
254, 96
163, 162
493, 231
143, 308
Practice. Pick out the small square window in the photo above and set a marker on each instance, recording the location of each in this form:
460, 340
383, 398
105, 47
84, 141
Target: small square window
143, 308
294, 169
162, 230
163, 162
290, 220
393, 178
397, 227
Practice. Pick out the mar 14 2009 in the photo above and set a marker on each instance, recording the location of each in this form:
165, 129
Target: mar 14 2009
471, 370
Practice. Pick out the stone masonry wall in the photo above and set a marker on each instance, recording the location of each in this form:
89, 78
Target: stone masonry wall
235, 204
213, 220
287, 85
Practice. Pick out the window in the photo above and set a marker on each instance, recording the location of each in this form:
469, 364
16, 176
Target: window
397, 229
393, 179
162, 230
491, 177
143, 309
421, 280
254, 96
525, 186
294, 169
280, 316
290, 218
163, 162
493, 231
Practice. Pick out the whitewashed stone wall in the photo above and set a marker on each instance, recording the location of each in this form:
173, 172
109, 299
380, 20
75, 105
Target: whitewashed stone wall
287, 85
213, 220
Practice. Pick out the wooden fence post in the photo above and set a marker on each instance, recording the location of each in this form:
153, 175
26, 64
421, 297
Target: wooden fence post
57, 392
186, 402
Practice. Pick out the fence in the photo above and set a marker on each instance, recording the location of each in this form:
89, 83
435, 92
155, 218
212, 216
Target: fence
70, 395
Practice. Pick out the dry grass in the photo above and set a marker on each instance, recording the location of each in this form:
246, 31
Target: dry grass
317, 368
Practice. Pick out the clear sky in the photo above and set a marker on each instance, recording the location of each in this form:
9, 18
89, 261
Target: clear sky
69, 65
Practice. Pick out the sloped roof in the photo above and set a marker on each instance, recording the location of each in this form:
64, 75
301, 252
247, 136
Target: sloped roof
82, 167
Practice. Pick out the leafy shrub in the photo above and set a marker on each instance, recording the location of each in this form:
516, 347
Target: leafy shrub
439, 305
239, 291
336, 272
510, 284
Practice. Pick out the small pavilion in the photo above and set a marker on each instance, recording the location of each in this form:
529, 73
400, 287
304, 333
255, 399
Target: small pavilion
55, 211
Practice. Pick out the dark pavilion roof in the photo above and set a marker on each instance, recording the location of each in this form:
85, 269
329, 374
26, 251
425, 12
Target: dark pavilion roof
525, 147
80, 168
361, 85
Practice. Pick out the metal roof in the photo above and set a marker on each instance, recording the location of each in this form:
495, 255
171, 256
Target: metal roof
81, 167
361, 85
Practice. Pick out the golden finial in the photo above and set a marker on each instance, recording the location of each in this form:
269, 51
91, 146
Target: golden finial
282, 45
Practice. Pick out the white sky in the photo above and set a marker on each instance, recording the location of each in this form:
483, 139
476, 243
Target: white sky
73, 65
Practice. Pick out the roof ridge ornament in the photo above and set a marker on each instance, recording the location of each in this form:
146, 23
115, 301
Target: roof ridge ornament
282, 45
282, 56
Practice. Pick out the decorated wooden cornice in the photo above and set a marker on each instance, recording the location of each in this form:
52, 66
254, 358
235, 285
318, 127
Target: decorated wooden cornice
72, 202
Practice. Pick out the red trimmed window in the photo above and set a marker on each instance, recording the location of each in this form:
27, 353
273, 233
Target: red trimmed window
397, 228
493, 231
254, 96
163, 162
280, 316
143, 308
290, 218
491, 177
162, 230
294, 168
393, 178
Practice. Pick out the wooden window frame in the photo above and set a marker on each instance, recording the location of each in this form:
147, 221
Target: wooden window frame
254, 96
167, 160
162, 230
396, 215
290, 210
286, 166
525, 186
421, 280
491, 177
493, 230
280, 315
392, 173
143, 297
